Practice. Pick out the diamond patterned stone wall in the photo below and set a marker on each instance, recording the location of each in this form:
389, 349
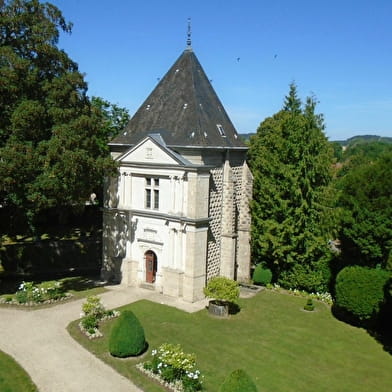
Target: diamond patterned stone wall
215, 229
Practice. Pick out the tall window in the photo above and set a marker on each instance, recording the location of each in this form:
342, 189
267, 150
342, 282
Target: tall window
152, 193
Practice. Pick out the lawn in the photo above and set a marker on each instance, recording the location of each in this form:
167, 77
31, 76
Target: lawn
12, 377
282, 347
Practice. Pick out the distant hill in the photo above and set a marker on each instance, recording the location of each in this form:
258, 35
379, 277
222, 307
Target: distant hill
246, 136
348, 142
363, 139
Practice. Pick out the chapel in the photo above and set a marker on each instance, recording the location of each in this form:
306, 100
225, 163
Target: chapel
178, 214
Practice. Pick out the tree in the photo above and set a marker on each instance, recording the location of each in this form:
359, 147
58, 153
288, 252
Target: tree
51, 148
366, 224
113, 117
292, 218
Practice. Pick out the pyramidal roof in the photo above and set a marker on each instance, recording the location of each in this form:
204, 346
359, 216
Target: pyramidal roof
184, 109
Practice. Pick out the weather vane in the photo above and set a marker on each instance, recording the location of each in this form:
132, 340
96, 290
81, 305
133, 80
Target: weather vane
188, 41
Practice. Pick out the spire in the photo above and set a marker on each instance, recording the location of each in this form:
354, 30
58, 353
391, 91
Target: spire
188, 41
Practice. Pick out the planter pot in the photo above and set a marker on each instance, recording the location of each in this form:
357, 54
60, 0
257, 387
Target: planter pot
218, 309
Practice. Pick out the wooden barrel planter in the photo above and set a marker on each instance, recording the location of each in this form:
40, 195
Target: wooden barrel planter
218, 308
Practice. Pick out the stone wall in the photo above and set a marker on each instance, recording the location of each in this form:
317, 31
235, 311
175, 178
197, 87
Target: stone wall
214, 232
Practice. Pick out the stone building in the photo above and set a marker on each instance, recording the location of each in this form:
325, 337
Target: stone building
178, 213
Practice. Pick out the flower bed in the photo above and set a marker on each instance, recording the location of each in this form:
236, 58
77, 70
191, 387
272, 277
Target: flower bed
323, 297
173, 368
94, 312
31, 294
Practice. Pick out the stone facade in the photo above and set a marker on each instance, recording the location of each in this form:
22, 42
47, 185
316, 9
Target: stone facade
178, 212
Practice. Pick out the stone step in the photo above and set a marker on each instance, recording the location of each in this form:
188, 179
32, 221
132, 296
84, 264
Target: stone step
148, 286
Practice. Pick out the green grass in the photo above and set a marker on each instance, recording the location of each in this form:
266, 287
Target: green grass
281, 347
12, 376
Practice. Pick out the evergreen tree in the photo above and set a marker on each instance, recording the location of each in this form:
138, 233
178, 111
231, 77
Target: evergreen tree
51, 148
292, 220
366, 222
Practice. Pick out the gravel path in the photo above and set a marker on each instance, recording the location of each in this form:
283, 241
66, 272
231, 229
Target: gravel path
38, 340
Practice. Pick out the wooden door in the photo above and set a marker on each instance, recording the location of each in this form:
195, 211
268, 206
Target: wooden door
151, 266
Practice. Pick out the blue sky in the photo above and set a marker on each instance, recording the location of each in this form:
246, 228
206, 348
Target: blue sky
339, 51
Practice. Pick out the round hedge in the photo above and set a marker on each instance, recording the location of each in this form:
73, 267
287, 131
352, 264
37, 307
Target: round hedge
262, 275
238, 381
222, 289
360, 291
127, 336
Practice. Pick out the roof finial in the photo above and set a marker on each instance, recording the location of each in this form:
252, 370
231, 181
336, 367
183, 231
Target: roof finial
188, 41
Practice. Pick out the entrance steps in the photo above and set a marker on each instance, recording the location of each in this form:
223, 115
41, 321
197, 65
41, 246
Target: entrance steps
148, 286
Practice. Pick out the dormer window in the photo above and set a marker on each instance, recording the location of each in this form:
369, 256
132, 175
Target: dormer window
221, 130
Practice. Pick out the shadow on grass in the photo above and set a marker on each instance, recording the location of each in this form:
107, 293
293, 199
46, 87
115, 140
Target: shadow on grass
234, 308
379, 328
81, 283
73, 283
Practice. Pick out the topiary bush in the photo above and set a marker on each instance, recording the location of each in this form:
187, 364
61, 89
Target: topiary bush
222, 289
262, 275
127, 336
359, 292
309, 306
238, 381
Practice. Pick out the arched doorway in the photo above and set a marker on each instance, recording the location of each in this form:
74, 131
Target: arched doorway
151, 266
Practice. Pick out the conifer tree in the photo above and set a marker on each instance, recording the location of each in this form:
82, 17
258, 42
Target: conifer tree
292, 218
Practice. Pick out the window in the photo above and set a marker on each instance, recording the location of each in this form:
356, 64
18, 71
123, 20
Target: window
149, 153
221, 130
152, 193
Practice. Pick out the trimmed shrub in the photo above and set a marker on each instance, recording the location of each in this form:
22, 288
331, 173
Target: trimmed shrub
127, 336
238, 381
360, 291
222, 289
262, 275
309, 306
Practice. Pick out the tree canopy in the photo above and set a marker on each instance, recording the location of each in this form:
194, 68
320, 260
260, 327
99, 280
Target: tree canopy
51, 147
292, 214
365, 199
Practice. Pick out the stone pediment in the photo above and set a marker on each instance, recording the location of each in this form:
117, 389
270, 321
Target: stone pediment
152, 150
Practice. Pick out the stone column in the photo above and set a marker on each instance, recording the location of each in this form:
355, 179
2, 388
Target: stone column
244, 226
228, 236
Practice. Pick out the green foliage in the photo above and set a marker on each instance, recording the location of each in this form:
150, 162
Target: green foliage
93, 307
51, 147
360, 291
292, 208
309, 306
366, 220
312, 278
30, 292
90, 323
262, 275
223, 289
113, 118
172, 364
127, 336
337, 151
238, 381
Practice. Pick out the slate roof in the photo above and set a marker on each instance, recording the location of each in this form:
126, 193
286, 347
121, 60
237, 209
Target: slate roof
184, 109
